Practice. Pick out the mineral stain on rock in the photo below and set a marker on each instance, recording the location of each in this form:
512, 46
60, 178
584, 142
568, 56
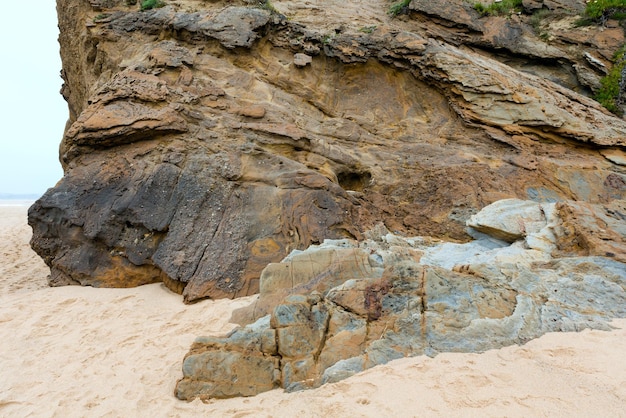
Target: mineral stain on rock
209, 145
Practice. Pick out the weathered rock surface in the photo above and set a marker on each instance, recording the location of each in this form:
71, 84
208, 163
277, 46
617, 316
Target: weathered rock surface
537, 41
208, 139
511, 219
353, 305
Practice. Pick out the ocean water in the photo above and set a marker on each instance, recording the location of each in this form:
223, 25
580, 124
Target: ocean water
16, 202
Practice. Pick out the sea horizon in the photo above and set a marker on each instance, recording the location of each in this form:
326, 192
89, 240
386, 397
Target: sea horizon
15, 202
15, 199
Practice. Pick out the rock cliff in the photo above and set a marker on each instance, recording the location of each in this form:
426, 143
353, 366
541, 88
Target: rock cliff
210, 140
207, 139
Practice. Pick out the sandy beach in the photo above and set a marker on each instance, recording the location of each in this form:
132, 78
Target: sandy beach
85, 352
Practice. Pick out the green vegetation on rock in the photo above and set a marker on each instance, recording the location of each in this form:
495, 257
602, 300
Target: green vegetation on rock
399, 8
609, 94
100, 16
500, 8
536, 21
151, 4
604, 9
267, 5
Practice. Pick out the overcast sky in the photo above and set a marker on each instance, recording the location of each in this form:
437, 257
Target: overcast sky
33, 113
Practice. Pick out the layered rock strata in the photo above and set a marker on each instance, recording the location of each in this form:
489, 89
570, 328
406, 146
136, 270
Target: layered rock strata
346, 306
208, 139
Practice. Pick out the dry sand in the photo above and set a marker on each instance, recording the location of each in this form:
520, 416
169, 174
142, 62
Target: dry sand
83, 352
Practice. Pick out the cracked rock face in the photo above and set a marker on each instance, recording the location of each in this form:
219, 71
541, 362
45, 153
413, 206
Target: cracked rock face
208, 139
336, 309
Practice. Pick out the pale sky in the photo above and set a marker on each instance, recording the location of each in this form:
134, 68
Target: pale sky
32, 112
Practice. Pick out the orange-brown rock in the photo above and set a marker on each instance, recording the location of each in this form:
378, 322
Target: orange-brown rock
592, 230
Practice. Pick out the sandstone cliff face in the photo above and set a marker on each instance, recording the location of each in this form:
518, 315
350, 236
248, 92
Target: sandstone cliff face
208, 139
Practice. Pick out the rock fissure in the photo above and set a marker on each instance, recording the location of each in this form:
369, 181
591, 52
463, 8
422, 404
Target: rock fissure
423, 306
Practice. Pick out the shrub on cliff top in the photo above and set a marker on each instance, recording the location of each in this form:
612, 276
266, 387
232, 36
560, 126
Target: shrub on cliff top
603, 9
151, 4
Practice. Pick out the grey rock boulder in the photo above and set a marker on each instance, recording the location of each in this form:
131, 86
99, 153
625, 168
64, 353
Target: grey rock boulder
415, 296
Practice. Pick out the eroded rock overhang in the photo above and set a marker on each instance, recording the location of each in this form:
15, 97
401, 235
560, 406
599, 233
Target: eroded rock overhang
198, 151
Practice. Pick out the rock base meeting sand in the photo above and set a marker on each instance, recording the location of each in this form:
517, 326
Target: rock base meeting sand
82, 352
